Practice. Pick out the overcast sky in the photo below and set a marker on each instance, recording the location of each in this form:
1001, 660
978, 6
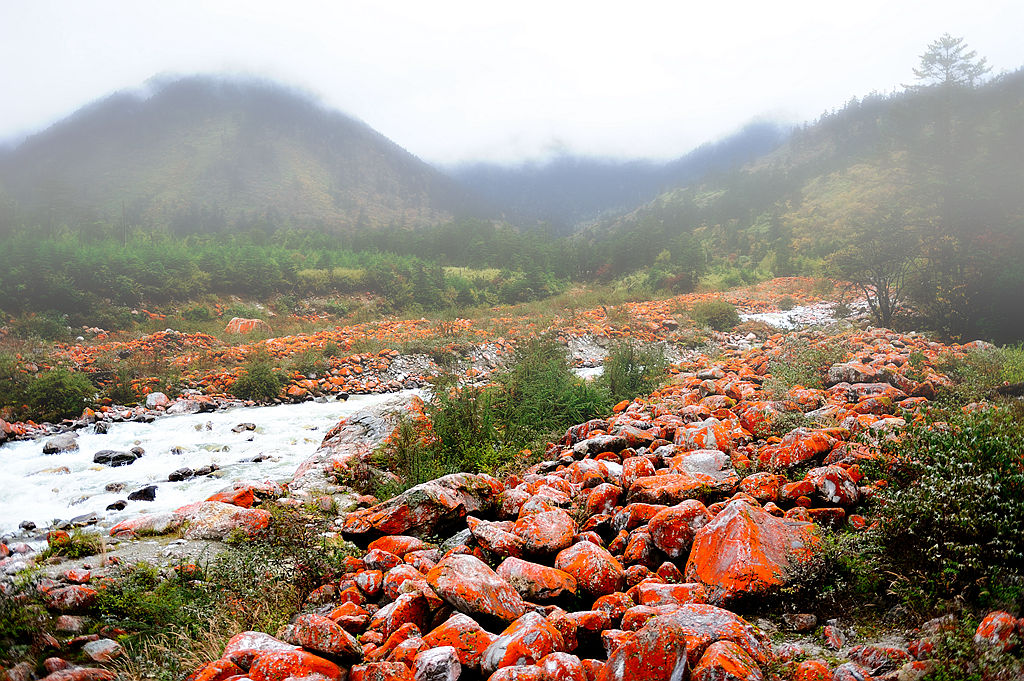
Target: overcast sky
501, 81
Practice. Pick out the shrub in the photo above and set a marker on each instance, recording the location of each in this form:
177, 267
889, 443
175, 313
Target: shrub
798, 362
331, 349
59, 394
786, 303
412, 461
633, 369
258, 382
13, 382
78, 544
982, 370
955, 528
310, 362
541, 395
715, 314
45, 325
197, 313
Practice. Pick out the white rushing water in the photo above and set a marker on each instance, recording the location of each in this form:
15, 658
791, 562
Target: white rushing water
43, 487
799, 316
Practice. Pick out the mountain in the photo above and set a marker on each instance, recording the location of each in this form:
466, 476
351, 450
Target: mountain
570, 190
202, 154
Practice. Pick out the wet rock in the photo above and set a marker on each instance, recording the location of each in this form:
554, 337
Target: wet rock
110, 457
27, 525
470, 586
114, 487
85, 520
118, 505
65, 442
242, 427
147, 493
101, 428
181, 474
746, 551
156, 399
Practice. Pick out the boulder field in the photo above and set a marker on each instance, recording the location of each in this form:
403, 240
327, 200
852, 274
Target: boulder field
627, 553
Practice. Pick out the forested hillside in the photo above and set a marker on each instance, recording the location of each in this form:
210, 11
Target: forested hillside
208, 155
922, 186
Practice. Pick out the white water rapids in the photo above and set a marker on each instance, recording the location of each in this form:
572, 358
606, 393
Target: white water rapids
43, 487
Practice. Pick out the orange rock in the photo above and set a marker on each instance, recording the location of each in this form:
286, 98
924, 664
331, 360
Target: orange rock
812, 670
278, 666
726, 661
595, 570
657, 652
470, 586
240, 325
218, 670
524, 642
546, 532
746, 551
536, 582
462, 633
673, 529
321, 634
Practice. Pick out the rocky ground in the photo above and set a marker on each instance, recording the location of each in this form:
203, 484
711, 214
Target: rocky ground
657, 543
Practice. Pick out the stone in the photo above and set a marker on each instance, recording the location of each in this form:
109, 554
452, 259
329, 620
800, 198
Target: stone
595, 570
524, 642
110, 457
673, 529
74, 598
534, 581
243, 649
321, 634
147, 493
746, 551
437, 664
726, 661
103, 650
996, 632
241, 325
217, 520
834, 485
65, 442
462, 633
278, 666
156, 399
428, 508
657, 652
470, 586
545, 532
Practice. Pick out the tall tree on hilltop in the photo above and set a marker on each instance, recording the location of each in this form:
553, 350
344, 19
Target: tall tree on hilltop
947, 62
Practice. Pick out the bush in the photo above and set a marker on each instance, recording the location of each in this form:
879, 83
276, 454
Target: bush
798, 362
411, 460
786, 303
981, 371
715, 314
45, 325
541, 395
78, 544
197, 313
13, 382
59, 394
258, 382
310, 362
633, 369
955, 528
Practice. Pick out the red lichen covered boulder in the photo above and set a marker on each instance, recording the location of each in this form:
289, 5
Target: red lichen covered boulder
996, 632
534, 581
524, 642
657, 652
463, 634
673, 529
726, 661
321, 634
294, 664
746, 551
595, 570
545, 532
470, 586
